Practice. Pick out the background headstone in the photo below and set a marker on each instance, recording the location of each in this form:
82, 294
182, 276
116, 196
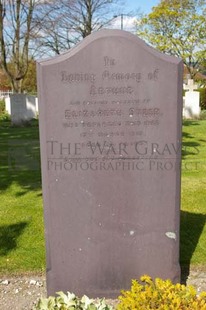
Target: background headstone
110, 128
18, 108
8, 105
191, 108
21, 107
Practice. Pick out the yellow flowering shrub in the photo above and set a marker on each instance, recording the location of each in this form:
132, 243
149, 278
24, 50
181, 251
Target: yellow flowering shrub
162, 295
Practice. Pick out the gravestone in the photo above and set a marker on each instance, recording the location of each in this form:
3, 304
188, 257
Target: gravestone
37, 105
21, 107
110, 127
8, 105
191, 106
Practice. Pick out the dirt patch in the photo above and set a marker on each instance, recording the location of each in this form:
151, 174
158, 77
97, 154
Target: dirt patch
23, 292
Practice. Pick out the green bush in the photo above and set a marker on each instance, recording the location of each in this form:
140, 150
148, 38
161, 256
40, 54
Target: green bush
202, 115
161, 295
202, 98
2, 106
4, 116
70, 302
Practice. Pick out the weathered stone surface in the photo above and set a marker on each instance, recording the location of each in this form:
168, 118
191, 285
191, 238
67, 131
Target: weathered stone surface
110, 127
21, 107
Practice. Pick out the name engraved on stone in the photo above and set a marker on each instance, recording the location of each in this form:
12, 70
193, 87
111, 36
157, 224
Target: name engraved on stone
109, 90
92, 113
144, 112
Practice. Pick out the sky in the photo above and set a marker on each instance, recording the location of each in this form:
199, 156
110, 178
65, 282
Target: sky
144, 5
132, 6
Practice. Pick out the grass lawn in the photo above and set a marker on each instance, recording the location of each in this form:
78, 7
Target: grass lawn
22, 246
193, 204
21, 212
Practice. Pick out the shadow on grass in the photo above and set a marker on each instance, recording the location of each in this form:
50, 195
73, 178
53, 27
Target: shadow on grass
20, 158
188, 122
191, 228
9, 235
190, 147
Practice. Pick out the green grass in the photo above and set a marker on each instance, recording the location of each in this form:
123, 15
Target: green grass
22, 247
193, 202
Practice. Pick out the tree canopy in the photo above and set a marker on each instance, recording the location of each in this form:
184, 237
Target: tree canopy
177, 27
15, 32
28, 26
69, 21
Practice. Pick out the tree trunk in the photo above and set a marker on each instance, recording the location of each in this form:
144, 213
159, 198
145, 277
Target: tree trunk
14, 48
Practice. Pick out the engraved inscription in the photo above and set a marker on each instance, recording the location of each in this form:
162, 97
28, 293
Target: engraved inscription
120, 76
111, 90
92, 113
113, 102
144, 112
77, 77
153, 75
109, 61
124, 91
